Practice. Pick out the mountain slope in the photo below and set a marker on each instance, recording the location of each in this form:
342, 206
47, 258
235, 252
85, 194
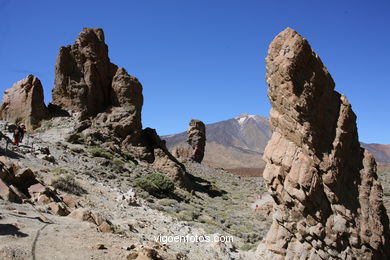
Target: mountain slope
381, 152
233, 143
239, 143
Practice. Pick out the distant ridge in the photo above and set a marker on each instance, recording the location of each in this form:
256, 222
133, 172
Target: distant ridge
239, 143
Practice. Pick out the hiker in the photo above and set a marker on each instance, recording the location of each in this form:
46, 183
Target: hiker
22, 131
16, 136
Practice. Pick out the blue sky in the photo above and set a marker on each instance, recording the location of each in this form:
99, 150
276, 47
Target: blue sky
205, 59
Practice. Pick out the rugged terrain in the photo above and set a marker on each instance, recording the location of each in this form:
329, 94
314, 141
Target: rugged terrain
223, 204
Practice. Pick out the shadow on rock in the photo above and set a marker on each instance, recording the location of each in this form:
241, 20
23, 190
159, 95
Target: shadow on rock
9, 229
10, 154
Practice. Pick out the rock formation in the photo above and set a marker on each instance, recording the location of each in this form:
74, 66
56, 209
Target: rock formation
197, 139
327, 199
196, 142
162, 159
109, 102
83, 74
24, 103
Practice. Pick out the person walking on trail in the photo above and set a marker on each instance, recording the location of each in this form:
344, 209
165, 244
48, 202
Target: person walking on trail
18, 135
22, 132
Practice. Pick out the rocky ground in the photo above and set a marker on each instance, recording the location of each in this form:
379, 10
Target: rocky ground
99, 182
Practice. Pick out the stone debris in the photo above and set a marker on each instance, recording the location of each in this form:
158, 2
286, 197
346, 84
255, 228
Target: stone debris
19, 185
83, 214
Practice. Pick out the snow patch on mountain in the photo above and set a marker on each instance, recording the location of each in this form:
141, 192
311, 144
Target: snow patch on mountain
243, 118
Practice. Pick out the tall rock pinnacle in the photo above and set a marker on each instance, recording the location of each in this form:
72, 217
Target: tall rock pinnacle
327, 199
109, 102
83, 74
196, 138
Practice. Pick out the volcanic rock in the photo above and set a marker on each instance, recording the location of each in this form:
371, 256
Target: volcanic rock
107, 102
196, 142
24, 103
83, 74
162, 159
87, 82
327, 197
197, 139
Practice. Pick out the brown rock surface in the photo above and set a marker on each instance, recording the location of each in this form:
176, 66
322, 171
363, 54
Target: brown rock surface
327, 199
24, 103
196, 142
83, 74
162, 159
110, 101
197, 139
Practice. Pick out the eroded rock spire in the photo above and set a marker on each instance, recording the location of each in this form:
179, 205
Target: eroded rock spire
327, 199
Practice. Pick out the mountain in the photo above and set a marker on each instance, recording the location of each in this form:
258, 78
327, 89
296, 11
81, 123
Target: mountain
381, 152
234, 143
239, 143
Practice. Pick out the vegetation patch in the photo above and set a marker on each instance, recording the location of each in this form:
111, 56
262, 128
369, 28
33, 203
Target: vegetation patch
156, 184
100, 152
77, 150
67, 183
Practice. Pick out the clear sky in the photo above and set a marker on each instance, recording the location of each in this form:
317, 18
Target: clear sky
204, 59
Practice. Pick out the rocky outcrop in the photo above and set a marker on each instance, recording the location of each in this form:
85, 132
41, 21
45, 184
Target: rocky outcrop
108, 102
197, 139
88, 83
196, 142
162, 159
83, 74
24, 103
327, 199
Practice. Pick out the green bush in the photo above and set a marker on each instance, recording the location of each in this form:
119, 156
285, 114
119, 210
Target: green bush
118, 162
67, 183
99, 152
186, 215
156, 184
77, 150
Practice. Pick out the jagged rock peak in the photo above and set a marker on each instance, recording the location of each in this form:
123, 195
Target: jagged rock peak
83, 74
327, 199
24, 103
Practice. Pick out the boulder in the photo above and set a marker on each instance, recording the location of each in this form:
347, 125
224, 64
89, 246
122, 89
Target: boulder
6, 193
70, 201
58, 208
327, 197
105, 227
24, 103
82, 214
